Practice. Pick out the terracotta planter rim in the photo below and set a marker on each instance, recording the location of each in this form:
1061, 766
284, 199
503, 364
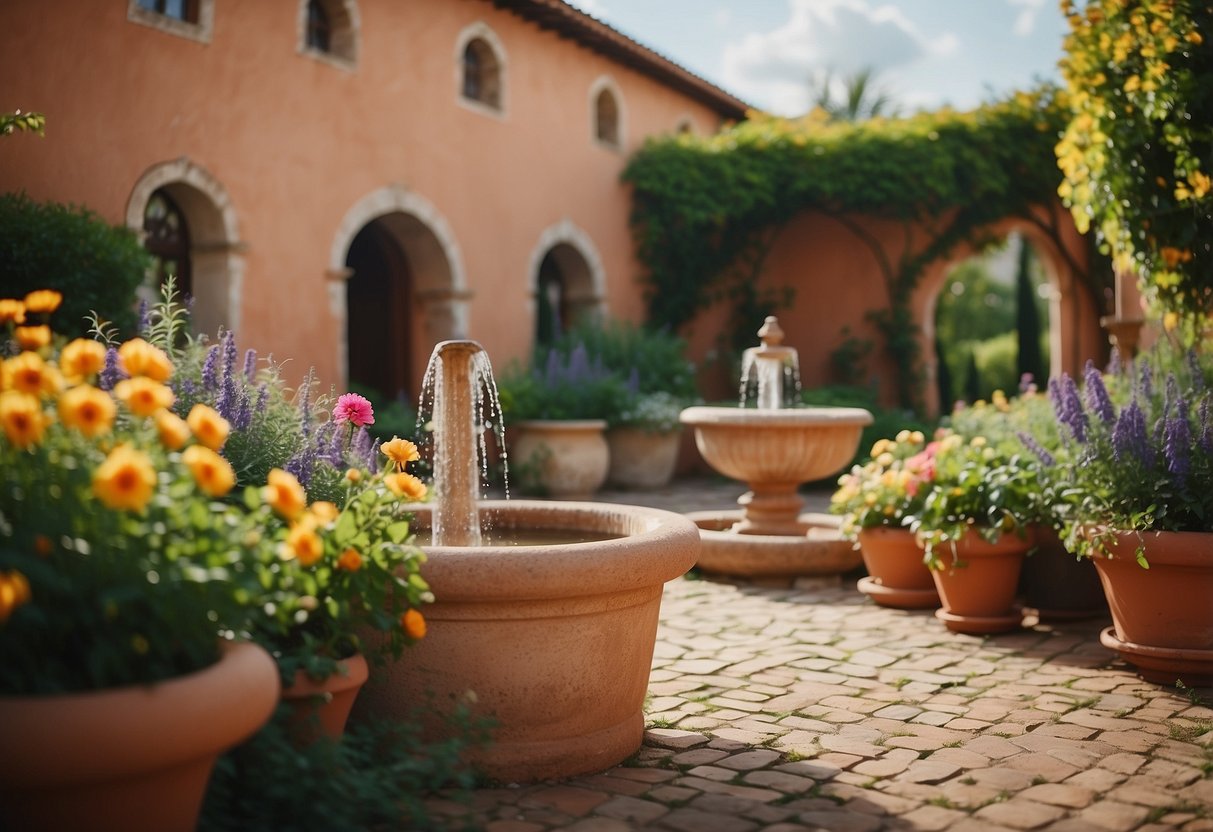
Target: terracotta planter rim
1182, 549
356, 673
561, 424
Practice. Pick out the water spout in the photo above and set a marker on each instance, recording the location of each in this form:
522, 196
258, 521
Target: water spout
459, 389
773, 369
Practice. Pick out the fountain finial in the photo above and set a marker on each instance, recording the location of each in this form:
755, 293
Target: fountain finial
774, 367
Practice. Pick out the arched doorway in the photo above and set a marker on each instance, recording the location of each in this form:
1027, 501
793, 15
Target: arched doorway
379, 310
167, 238
568, 281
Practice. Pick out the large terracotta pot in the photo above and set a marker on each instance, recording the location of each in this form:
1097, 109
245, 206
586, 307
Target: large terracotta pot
1058, 585
977, 583
561, 459
128, 759
897, 576
321, 708
1162, 616
642, 459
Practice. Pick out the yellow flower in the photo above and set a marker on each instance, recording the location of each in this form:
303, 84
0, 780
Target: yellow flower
350, 560
1170, 321
28, 373
353, 474
210, 428
916, 437
405, 485
81, 358
400, 451
11, 311
87, 409
284, 494
212, 472
22, 419
33, 337
303, 543
324, 511
413, 624
14, 591
172, 430
43, 300
139, 358
125, 479
143, 396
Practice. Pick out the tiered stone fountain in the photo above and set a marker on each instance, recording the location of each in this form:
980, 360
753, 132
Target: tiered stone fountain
555, 641
774, 449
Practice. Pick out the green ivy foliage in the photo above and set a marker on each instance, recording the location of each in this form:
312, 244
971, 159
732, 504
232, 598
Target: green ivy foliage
706, 209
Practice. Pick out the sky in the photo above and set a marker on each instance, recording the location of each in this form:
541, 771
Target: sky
925, 53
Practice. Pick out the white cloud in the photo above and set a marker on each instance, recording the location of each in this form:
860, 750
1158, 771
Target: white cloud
773, 69
1026, 21
722, 17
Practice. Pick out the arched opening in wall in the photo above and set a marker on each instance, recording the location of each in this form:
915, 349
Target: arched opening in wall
606, 118
379, 315
481, 73
330, 29
993, 321
564, 293
167, 239
188, 227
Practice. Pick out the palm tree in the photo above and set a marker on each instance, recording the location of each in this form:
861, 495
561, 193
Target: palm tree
861, 98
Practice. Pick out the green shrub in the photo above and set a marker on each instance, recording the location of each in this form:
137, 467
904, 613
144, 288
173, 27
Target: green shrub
886, 422
560, 386
97, 267
651, 360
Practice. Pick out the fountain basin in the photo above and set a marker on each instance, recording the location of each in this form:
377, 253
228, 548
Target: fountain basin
818, 549
556, 641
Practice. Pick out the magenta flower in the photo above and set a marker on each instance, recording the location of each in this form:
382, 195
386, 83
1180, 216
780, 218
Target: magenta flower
354, 409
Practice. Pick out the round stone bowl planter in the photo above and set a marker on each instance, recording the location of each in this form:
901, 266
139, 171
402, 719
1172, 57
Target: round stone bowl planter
642, 459
565, 459
555, 641
129, 758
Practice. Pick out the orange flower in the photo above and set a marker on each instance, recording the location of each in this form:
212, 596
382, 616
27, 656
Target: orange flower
139, 358
143, 396
284, 494
413, 624
11, 311
400, 451
405, 485
28, 373
303, 543
324, 511
43, 300
82, 358
125, 479
33, 337
172, 429
212, 472
87, 409
14, 591
209, 427
22, 419
350, 560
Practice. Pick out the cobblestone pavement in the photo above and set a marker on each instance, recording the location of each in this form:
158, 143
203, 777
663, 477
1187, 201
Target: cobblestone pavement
809, 707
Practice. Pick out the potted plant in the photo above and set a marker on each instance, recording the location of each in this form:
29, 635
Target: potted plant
876, 500
126, 584
973, 524
557, 413
1135, 476
644, 439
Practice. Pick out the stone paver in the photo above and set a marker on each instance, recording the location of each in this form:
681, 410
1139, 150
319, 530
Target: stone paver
805, 706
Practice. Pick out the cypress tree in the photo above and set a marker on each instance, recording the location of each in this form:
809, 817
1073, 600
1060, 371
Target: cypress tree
943, 378
1027, 318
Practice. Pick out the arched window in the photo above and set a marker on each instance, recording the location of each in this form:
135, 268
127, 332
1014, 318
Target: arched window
319, 34
328, 29
481, 74
552, 310
167, 239
184, 10
606, 118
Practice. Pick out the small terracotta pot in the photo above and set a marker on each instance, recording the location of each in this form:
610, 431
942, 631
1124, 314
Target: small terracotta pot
1058, 585
321, 708
133, 758
897, 576
563, 459
977, 582
1162, 616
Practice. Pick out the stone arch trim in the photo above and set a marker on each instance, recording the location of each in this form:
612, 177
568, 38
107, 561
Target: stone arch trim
482, 31
216, 250
426, 238
589, 294
607, 83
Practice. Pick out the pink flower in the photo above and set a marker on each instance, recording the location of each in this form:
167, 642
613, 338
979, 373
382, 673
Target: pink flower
355, 409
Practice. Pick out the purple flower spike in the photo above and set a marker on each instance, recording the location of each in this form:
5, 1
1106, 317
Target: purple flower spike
1068, 406
1115, 366
112, 373
1098, 401
1129, 436
1145, 381
1177, 438
210, 376
250, 364
1029, 442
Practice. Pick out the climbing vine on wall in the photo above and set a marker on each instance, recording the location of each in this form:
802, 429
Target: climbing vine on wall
706, 210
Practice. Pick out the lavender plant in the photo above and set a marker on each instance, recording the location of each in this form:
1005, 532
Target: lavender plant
560, 386
1135, 455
